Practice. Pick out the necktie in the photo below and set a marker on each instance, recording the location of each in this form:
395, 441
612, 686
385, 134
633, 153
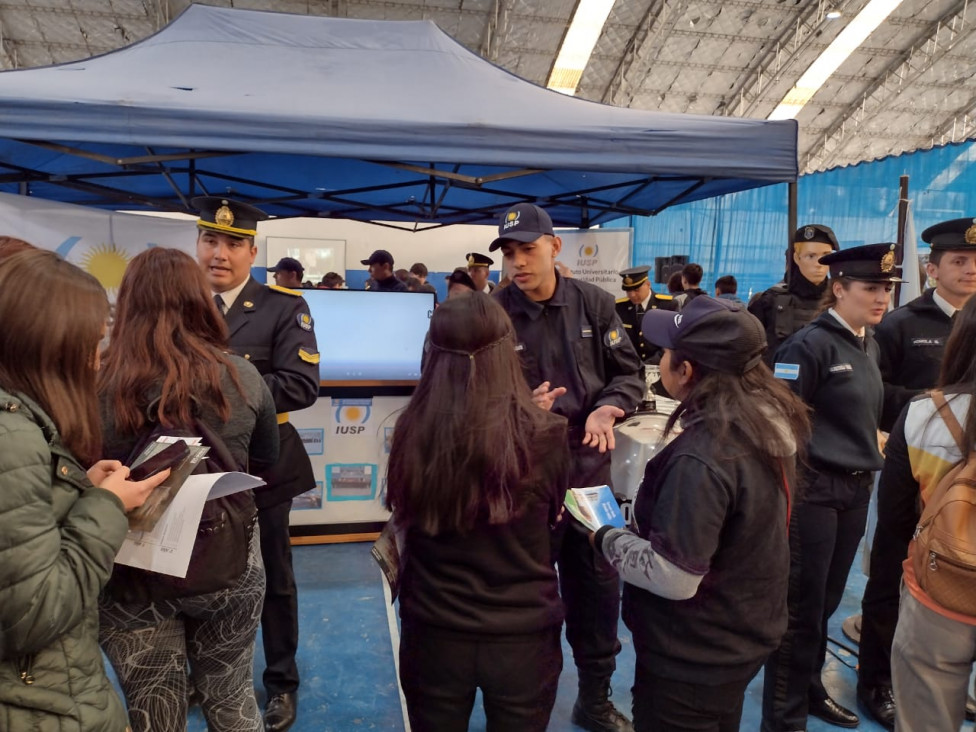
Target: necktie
219, 302
953, 316
860, 342
640, 310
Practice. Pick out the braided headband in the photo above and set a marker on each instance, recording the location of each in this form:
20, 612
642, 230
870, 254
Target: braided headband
469, 354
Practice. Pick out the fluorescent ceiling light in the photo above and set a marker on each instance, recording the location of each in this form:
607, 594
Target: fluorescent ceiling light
833, 14
847, 41
574, 54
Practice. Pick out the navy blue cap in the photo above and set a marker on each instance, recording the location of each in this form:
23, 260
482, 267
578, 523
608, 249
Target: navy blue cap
718, 334
380, 256
523, 222
954, 234
816, 233
287, 264
460, 276
868, 263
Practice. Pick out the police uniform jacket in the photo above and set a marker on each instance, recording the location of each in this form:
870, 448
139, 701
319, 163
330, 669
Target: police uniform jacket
631, 320
576, 340
826, 366
912, 341
271, 327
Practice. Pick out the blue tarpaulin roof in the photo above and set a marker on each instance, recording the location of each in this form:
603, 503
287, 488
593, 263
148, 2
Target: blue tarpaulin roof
391, 120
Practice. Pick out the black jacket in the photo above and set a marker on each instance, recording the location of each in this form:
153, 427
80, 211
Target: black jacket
826, 366
271, 327
576, 340
711, 508
912, 341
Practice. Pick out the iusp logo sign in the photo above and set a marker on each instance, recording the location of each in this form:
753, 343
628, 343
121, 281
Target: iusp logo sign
589, 251
351, 415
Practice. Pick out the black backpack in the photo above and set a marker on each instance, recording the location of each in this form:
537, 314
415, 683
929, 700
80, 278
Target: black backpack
224, 534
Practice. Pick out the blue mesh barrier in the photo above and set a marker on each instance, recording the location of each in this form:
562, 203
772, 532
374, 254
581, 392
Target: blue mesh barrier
745, 234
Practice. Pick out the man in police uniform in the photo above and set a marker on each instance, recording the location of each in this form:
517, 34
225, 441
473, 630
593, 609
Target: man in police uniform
789, 305
478, 265
272, 328
640, 298
555, 316
912, 341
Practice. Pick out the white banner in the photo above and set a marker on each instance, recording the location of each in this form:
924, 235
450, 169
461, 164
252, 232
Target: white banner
597, 255
99, 242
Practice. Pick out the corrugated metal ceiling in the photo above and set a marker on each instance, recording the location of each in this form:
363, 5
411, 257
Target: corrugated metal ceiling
910, 86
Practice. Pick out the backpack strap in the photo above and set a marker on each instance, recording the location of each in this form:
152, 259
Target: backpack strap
951, 423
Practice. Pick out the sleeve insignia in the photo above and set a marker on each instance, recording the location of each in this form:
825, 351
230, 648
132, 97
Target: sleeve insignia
308, 356
613, 338
305, 321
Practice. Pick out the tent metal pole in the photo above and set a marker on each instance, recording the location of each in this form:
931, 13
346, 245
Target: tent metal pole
791, 225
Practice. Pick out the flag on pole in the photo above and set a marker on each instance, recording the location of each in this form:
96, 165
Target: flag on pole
911, 270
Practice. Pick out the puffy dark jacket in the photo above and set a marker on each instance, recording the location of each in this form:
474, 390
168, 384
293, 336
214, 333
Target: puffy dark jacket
59, 535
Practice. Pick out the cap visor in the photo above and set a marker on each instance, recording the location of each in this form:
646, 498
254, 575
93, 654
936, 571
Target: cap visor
658, 327
521, 236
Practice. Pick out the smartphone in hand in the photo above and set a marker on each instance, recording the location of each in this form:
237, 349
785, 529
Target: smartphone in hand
169, 457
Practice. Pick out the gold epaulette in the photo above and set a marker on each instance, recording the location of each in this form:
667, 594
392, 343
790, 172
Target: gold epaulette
287, 291
623, 299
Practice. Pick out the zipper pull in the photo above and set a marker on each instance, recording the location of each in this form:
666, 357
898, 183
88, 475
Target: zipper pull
25, 671
932, 564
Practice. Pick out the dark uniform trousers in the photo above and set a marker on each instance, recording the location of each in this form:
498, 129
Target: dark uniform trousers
824, 536
271, 327
589, 585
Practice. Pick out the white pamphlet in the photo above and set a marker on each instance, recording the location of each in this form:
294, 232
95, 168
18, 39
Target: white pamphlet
167, 548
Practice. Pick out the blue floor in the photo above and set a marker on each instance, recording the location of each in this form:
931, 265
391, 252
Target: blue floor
347, 667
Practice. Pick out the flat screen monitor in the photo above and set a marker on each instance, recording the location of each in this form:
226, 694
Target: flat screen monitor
369, 337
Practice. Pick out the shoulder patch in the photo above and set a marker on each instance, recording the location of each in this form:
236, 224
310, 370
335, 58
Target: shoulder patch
308, 355
613, 338
787, 371
285, 290
304, 321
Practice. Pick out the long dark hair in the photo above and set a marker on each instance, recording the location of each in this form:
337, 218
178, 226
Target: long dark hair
168, 339
739, 408
52, 316
466, 439
959, 363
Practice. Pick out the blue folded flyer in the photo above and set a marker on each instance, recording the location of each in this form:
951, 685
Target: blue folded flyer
594, 507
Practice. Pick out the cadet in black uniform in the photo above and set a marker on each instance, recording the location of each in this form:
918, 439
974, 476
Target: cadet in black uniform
911, 340
381, 275
570, 339
789, 305
832, 365
272, 328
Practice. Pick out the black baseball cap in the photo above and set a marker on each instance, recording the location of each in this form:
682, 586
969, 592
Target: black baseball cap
380, 256
868, 263
287, 264
227, 216
522, 222
715, 333
956, 234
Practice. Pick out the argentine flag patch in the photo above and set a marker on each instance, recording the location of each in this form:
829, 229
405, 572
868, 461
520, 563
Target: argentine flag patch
787, 371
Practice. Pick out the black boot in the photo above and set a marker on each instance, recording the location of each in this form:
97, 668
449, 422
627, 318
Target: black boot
595, 712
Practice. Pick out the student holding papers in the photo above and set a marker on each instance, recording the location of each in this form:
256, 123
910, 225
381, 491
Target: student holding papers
60, 525
168, 360
706, 573
476, 479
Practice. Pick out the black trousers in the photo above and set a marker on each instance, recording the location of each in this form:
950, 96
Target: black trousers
517, 675
662, 704
823, 543
879, 607
279, 617
588, 583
